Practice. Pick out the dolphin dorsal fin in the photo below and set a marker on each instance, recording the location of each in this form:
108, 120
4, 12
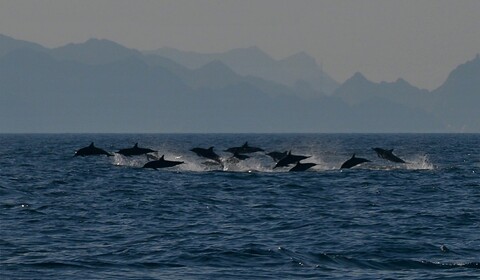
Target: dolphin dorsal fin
290, 152
353, 156
245, 145
211, 148
163, 157
136, 145
91, 145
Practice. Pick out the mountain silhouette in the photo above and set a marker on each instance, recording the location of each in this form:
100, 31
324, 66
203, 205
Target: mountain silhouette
101, 86
8, 44
94, 51
454, 105
253, 61
358, 89
457, 100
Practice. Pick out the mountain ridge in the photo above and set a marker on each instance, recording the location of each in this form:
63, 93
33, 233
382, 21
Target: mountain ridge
101, 86
252, 61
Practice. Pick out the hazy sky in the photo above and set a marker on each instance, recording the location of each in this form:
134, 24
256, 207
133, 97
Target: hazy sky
418, 40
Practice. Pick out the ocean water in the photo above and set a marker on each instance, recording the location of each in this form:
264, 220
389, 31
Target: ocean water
65, 217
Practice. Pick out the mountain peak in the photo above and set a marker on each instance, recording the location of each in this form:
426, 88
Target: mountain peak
300, 59
96, 44
8, 44
358, 77
461, 77
96, 41
402, 82
94, 51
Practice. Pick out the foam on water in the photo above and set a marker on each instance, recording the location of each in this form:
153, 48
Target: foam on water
263, 163
419, 162
135, 161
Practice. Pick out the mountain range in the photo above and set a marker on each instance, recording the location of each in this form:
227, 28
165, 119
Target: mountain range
102, 86
254, 62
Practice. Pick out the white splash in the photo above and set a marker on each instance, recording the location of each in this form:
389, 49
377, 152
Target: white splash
420, 162
121, 160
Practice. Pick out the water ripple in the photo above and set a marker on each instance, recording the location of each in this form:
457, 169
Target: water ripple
106, 218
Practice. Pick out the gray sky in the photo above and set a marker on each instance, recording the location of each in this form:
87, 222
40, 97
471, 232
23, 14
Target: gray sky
418, 40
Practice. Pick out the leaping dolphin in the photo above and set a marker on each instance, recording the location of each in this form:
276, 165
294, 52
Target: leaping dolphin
207, 153
91, 150
353, 161
161, 163
135, 151
244, 149
289, 159
276, 156
388, 155
239, 156
302, 166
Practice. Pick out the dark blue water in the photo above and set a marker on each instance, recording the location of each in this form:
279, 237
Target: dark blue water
106, 218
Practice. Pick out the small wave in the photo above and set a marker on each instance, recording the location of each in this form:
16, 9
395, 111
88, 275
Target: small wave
412, 264
55, 264
58, 182
332, 261
243, 256
246, 255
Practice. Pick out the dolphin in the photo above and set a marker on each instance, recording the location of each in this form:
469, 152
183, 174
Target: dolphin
388, 155
239, 156
353, 161
276, 156
236, 158
302, 166
289, 159
161, 163
135, 151
91, 151
207, 153
244, 149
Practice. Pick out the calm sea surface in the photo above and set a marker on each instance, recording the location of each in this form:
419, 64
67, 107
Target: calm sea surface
65, 217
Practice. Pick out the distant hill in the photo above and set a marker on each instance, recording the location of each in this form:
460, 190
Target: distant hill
43, 94
8, 44
457, 101
94, 51
358, 89
254, 62
101, 86
454, 104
